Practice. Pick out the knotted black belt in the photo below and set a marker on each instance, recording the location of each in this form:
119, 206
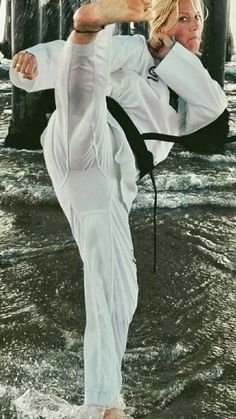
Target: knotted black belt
144, 158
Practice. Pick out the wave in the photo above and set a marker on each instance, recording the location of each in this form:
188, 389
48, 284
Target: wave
185, 179
45, 196
173, 192
165, 396
10, 255
228, 157
184, 200
7, 151
30, 195
34, 404
230, 74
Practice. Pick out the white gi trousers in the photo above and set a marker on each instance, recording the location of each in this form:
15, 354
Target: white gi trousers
80, 153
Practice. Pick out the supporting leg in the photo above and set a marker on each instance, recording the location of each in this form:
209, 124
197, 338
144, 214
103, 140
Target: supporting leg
111, 298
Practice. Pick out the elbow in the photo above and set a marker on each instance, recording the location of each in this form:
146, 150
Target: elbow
218, 108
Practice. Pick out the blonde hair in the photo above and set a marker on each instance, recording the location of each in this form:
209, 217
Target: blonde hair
162, 9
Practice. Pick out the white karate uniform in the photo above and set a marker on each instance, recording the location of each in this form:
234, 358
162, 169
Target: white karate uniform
94, 174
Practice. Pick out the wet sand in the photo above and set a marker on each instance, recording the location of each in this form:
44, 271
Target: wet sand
172, 368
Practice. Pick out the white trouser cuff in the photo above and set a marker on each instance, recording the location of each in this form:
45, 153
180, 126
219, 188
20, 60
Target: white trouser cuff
104, 399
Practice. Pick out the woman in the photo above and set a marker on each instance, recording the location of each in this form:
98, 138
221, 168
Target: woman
91, 165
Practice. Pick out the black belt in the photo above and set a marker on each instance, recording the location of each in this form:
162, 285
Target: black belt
144, 158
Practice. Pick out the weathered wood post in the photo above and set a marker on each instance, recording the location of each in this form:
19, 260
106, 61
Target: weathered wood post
124, 28
230, 49
28, 118
141, 28
215, 38
67, 9
7, 34
66, 15
49, 25
212, 138
49, 30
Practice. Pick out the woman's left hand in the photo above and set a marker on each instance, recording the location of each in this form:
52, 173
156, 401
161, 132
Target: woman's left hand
25, 63
159, 45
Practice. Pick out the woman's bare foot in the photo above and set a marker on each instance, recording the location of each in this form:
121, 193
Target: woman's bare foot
102, 12
113, 414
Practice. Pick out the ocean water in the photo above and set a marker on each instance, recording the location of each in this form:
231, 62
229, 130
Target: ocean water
181, 354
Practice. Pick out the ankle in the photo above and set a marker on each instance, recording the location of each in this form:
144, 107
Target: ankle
113, 413
82, 37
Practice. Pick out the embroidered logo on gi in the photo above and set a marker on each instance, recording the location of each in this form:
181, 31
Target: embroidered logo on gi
152, 74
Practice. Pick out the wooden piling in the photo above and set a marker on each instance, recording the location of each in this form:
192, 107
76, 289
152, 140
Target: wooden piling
66, 17
124, 28
49, 21
28, 118
141, 28
25, 24
212, 138
215, 38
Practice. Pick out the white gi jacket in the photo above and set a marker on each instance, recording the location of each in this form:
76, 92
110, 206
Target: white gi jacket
141, 85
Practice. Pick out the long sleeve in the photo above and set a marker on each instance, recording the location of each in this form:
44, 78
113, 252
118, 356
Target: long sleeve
184, 73
48, 62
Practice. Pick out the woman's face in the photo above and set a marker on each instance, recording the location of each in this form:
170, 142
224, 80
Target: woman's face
187, 25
